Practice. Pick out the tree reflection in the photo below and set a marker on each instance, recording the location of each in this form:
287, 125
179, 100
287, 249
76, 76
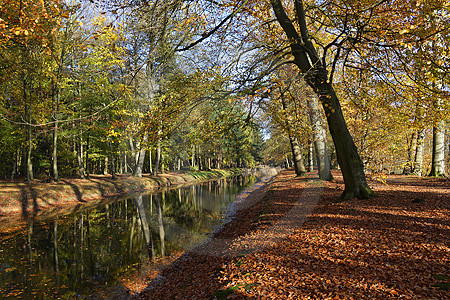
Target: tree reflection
144, 222
73, 255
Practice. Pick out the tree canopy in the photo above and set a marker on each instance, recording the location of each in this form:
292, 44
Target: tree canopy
133, 86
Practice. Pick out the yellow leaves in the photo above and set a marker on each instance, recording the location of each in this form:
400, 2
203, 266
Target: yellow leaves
3, 24
406, 45
113, 133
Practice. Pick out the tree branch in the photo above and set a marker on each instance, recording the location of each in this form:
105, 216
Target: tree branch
212, 31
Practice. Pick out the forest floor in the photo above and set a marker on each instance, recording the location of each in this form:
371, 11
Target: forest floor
20, 200
292, 239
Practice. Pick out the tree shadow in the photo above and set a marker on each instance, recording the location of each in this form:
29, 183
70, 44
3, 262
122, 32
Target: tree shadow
75, 189
419, 182
391, 240
28, 199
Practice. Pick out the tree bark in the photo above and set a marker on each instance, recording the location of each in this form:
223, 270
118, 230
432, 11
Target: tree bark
113, 161
319, 136
418, 158
438, 153
14, 168
55, 137
150, 166
158, 157
311, 157
193, 157
297, 157
412, 144
80, 158
30, 175
134, 152
137, 172
317, 77
86, 161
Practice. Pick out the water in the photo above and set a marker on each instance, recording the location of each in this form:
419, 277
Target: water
75, 256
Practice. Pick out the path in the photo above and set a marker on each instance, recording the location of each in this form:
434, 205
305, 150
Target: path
393, 246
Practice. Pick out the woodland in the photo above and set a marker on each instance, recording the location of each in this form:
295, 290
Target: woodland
137, 86
351, 96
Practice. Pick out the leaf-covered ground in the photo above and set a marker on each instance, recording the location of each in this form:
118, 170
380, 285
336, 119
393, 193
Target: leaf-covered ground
293, 240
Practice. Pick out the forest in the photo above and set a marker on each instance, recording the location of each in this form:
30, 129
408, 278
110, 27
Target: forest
137, 86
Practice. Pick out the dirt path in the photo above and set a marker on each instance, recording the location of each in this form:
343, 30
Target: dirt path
290, 239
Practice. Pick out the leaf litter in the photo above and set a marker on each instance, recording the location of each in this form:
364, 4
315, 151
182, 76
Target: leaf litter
280, 246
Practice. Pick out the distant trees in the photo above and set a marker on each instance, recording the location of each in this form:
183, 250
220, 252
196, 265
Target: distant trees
85, 94
143, 87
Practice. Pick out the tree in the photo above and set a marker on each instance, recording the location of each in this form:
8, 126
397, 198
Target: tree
438, 152
316, 76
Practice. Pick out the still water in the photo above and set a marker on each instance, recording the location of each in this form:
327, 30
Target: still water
74, 256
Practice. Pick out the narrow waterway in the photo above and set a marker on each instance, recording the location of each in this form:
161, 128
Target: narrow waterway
77, 255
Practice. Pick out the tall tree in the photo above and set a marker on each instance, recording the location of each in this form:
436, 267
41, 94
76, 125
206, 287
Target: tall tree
297, 156
316, 76
438, 151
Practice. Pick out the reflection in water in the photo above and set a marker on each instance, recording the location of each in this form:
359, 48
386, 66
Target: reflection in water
77, 255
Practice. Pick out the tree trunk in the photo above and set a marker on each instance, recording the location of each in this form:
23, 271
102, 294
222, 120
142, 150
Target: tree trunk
137, 172
438, 154
311, 157
150, 166
412, 144
86, 161
297, 157
14, 168
113, 161
125, 161
317, 77
319, 136
120, 163
80, 158
348, 158
134, 153
158, 158
193, 157
30, 175
418, 158
55, 151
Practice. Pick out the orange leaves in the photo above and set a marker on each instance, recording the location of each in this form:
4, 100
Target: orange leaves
30, 22
386, 248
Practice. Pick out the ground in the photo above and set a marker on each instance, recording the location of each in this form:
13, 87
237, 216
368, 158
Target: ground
292, 239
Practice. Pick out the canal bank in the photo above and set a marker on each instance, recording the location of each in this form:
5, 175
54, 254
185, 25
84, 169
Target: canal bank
41, 199
81, 255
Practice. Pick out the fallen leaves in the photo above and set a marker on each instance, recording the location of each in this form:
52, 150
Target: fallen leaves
388, 247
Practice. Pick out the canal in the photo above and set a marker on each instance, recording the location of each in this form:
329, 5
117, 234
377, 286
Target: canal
76, 256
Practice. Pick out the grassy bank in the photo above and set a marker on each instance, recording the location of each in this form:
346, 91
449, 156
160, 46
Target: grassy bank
36, 198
